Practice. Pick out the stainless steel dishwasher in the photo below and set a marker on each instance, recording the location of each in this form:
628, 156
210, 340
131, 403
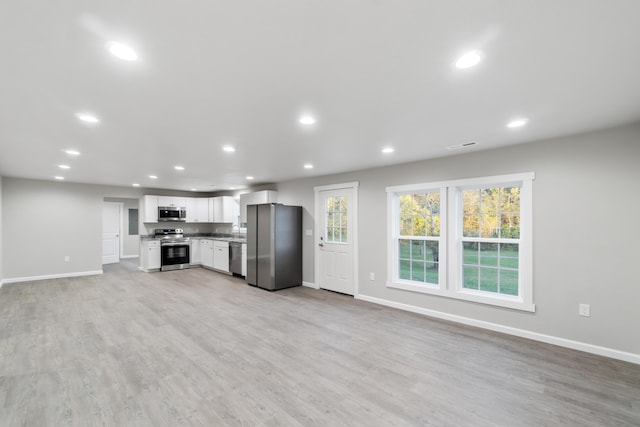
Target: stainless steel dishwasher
235, 258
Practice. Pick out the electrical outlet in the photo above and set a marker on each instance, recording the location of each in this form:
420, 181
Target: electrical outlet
372, 276
584, 310
67, 258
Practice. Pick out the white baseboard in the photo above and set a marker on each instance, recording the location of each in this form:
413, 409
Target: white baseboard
52, 276
549, 339
129, 256
310, 285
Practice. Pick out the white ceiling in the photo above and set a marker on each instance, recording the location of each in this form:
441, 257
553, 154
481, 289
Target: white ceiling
375, 73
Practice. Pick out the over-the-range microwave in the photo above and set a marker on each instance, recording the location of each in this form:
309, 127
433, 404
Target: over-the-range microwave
172, 213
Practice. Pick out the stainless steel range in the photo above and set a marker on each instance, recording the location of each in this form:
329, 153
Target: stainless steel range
175, 249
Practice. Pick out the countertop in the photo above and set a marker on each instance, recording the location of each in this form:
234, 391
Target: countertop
234, 239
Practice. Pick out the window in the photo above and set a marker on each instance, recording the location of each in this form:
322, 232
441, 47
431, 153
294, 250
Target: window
336, 221
419, 237
466, 239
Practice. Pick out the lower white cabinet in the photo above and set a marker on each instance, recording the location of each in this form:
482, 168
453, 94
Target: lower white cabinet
206, 252
221, 256
150, 255
196, 258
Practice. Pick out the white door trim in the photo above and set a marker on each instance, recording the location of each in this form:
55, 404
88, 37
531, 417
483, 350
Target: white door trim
319, 214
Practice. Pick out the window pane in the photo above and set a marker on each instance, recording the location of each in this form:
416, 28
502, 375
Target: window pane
419, 225
489, 279
405, 269
432, 225
510, 226
471, 254
470, 277
343, 235
417, 250
419, 204
406, 225
433, 204
336, 203
471, 201
510, 200
490, 200
509, 255
471, 225
489, 225
329, 234
343, 219
488, 254
431, 251
417, 271
405, 249
329, 204
329, 219
509, 282
343, 203
432, 273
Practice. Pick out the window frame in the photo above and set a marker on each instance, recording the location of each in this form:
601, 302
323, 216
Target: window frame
450, 244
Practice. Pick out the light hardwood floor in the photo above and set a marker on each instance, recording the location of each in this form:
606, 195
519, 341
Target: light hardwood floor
195, 347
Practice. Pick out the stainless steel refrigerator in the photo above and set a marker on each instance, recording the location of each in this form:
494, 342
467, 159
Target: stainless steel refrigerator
274, 246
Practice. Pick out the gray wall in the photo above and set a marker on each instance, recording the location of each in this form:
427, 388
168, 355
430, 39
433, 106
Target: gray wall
43, 221
586, 238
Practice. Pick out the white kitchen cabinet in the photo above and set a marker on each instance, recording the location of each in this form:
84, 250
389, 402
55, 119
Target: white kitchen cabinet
197, 209
149, 207
206, 252
223, 209
179, 202
221, 256
256, 198
195, 252
150, 255
244, 260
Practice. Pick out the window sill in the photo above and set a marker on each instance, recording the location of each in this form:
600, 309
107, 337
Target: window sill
465, 295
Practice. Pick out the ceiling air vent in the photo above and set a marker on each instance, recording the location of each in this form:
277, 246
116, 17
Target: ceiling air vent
461, 146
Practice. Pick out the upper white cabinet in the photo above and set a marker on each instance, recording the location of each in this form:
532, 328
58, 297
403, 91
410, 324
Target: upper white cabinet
149, 207
172, 201
256, 198
223, 209
197, 209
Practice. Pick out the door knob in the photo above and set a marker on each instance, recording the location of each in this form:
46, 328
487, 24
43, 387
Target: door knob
321, 245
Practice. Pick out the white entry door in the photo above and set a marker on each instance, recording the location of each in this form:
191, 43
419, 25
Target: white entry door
110, 233
337, 216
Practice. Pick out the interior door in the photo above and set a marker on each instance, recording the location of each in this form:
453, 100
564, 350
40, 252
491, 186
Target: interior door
110, 233
336, 241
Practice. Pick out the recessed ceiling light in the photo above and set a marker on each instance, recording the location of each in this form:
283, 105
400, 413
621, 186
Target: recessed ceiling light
307, 120
59, 178
517, 123
469, 59
250, 178
228, 149
153, 176
179, 168
388, 150
135, 184
87, 118
72, 152
308, 166
64, 166
122, 51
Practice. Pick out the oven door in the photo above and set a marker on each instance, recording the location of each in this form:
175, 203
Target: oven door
175, 256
